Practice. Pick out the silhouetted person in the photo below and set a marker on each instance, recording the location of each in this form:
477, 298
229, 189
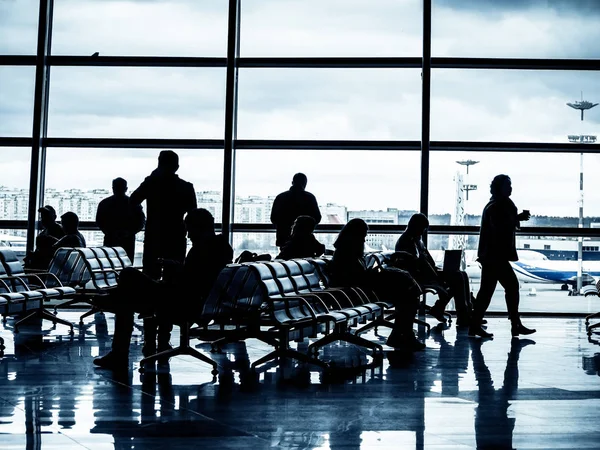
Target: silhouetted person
424, 271
497, 247
302, 242
493, 427
348, 269
44, 242
119, 219
72, 237
168, 198
290, 204
182, 292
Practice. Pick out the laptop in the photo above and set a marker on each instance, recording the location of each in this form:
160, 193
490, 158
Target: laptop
452, 260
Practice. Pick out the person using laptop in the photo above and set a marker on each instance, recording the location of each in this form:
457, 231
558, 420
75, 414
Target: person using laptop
412, 255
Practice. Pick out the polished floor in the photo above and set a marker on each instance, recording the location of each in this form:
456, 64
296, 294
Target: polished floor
460, 393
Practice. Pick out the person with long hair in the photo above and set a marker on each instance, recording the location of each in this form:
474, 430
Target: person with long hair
497, 248
422, 267
396, 286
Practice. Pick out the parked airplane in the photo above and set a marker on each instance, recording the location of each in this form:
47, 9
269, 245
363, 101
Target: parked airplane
534, 267
17, 244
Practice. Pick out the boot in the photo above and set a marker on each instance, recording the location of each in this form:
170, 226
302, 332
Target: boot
518, 328
437, 311
476, 330
113, 361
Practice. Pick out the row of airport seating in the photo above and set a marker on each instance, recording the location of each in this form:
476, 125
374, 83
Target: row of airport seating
276, 302
75, 275
279, 302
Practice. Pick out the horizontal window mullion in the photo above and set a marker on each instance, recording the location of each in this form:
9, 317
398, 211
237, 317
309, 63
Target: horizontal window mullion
248, 144
524, 147
515, 63
133, 143
136, 61
18, 60
16, 142
330, 62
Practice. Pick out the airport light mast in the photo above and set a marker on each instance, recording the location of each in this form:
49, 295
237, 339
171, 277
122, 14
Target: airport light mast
583, 106
459, 241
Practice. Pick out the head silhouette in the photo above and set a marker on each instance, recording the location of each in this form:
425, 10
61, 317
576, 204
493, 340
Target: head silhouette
47, 215
199, 222
69, 222
119, 186
168, 161
300, 181
501, 186
417, 224
352, 237
303, 226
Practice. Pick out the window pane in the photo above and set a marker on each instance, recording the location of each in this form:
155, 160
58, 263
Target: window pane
137, 102
91, 172
545, 184
262, 243
14, 187
18, 27
15, 240
344, 182
141, 28
376, 104
541, 288
525, 29
331, 28
16, 100
512, 105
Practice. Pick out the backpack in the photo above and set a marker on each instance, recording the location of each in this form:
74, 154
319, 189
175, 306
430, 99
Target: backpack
247, 256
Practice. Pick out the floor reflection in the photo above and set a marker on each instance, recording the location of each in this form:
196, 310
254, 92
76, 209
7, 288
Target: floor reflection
459, 393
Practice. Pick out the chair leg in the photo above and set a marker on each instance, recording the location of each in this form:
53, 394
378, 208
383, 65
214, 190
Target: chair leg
591, 316
27, 317
49, 316
422, 322
590, 328
91, 312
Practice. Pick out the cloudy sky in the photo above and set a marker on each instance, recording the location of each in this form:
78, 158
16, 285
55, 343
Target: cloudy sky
378, 104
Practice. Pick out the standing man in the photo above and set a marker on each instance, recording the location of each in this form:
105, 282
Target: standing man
497, 247
168, 199
289, 205
119, 220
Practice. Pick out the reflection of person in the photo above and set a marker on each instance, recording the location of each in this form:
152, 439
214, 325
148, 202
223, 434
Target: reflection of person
497, 247
119, 220
290, 204
425, 272
302, 243
44, 242
348, 269
168, 198
184, 290
72, 237
493, 427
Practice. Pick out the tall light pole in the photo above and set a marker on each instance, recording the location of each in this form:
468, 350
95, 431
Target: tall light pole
459, 241
583, 106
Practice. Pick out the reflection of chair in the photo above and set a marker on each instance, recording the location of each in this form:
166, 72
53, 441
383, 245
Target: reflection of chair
589, 327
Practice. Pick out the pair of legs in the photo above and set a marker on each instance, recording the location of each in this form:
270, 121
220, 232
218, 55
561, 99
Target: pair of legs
136, 293
459, 288
401, 289
492, 273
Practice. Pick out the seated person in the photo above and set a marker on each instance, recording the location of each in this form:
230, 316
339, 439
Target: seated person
72, 237
183, 291
348, 269
44, 242
422, 267
302, 243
